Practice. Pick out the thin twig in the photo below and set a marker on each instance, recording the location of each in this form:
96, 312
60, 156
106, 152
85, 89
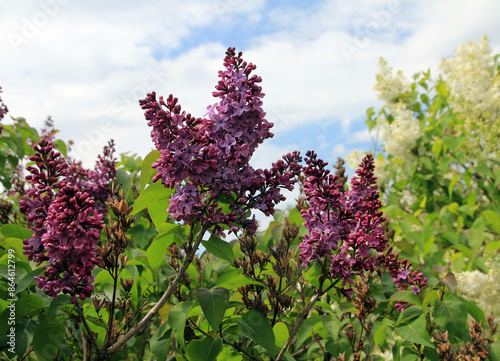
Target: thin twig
87, 327
137, 328
115, 274
84, 343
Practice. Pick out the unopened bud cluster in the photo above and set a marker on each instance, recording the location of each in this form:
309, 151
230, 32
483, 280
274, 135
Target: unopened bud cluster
271, 300
116, 233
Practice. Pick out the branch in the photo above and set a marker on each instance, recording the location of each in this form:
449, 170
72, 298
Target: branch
84, 343
87, 327
137, 328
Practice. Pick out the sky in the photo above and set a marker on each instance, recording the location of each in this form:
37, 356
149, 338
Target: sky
87, 63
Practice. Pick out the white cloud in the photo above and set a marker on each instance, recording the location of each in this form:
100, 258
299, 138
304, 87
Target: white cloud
91, 61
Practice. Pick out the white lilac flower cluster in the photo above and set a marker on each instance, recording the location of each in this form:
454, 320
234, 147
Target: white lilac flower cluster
388, 86
400, 136
474, 84
482, 288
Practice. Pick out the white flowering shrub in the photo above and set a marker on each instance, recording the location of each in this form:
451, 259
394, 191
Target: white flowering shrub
439, 139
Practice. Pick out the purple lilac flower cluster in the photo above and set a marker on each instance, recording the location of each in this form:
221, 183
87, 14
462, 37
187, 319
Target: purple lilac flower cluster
45, 180
206, 160
403, 277
65, 220
343, 225
3, 110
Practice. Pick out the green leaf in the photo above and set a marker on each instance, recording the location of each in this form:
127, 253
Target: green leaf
156, 251
485, 170
159, 211
146, 171
477, 233
234, 279
492, 219
306, 328
30, 305
415, 331
255, 325
57, 303
332, 326
452, 185
280, 334
17, 245
295, 217
61, 147
219, 248
495, 351
475, 312
25, 328
48, 338
380, 336
406, 296
409, 314
451, 314
154, 193
430, 299
158, 248
205, 350
15, 231
160, 342
452, 142
214, 304
26, 280
177, 319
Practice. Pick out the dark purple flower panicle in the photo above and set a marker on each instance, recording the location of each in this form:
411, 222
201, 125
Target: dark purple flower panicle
343, 225
65, 224
3, 110
403, 277
45, 180
206, 160
73, 230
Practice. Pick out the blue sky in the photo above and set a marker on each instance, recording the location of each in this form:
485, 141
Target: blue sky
87, 63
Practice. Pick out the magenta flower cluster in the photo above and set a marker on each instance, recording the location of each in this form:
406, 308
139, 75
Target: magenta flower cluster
65, 223
403, 277
344, 226
206, 160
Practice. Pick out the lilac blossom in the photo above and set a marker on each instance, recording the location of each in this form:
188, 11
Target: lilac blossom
206, 160
344, 226
45, 180
403, 277
62, 208
73, 230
